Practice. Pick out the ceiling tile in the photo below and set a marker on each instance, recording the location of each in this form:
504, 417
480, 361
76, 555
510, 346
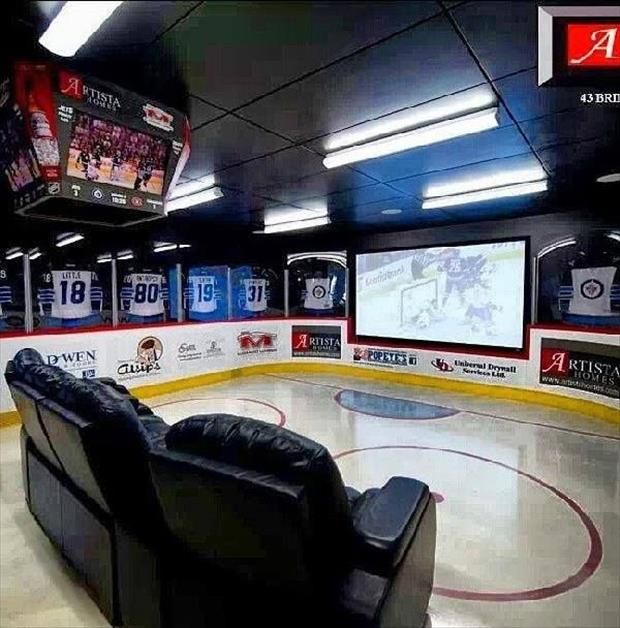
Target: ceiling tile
200, 112
232, 52
419, 65
228, 141
495, 144
350, 198
503, 35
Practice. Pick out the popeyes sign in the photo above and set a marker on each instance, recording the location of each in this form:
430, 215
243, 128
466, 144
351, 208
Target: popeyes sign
578, 45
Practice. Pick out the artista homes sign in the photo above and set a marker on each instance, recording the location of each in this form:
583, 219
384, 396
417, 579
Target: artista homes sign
316, 341
585, 366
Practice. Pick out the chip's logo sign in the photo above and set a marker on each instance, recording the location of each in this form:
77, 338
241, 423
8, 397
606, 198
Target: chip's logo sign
157, 117
256, 341
150, 350
148, 354
592, 289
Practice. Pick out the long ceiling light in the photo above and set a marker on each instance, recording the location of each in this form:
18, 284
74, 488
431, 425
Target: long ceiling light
485, 195
614, 235
74, 25
191, 187
297, 225
125, 255
34, 254
498, 179
68, 238
193, 199
13, 253
164, 246
445, 108
104, 259
422, 136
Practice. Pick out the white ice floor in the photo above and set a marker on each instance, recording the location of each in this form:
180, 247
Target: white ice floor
528, 512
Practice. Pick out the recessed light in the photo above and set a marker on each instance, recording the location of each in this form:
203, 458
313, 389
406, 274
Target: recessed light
614, 177
392, 212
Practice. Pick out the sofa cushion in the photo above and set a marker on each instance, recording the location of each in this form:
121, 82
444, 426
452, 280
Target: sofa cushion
266, 448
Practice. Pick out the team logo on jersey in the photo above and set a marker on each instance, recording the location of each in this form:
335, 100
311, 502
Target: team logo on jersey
318, 292
146, 361
592, 289
442, 365
256, 342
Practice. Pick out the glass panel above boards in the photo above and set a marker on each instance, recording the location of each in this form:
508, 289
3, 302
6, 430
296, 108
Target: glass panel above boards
12, 302
317, 284
256, 291
578, 280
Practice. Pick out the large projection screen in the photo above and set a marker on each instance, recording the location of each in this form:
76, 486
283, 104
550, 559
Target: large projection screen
469, 294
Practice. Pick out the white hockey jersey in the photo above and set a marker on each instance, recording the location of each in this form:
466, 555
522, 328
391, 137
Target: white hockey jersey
143, 294
591, 291
255, 295
318, 294
202, 294
70, 293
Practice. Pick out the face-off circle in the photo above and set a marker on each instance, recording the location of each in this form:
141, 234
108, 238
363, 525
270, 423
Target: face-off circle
587, 568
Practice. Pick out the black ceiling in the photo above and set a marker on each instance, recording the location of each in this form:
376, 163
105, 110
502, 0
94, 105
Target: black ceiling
265, 82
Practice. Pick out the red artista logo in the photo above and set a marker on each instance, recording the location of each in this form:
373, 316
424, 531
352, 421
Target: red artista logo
301, 340
593, 45
71, 85
555, 362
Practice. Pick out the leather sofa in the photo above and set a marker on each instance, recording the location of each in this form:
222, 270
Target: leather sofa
219, 520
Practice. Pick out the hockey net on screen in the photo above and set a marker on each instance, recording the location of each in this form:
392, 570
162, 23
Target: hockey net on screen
420, 295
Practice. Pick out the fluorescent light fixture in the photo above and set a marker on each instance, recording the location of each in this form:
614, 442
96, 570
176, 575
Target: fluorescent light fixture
296, 225
74, 25
105, 258
614, 177
496, 180
185, 246
13, 254
68, 238
34, 254
448, 107
555, 246
191, 187
423, 136
164, 246
614, 236
125, 255
392, 212
193, 199
485, 195
279, 215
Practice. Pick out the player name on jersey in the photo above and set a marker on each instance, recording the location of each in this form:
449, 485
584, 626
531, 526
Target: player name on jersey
69, 294
144, 294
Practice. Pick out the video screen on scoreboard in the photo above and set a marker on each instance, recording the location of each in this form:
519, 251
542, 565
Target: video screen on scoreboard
471, 294
106, 152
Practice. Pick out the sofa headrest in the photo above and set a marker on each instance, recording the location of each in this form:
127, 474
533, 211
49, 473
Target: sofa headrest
48, 380
25, 358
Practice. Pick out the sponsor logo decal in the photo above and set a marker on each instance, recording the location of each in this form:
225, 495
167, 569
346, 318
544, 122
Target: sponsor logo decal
256, 342
157, 117
82, 363
136, 201
384, 357
73, 86
475, 368
190, 351
585, 366
593, 45
441, 365
320, 341
146, 361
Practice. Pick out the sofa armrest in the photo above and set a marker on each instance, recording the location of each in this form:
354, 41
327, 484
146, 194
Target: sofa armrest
385, 521
139, 407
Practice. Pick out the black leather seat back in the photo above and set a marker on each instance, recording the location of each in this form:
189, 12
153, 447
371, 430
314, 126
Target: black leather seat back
66, 432
26, 398
255, 499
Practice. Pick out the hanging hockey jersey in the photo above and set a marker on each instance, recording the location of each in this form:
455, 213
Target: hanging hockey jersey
202, 294
6, 291
318, 294
254, 294
591, 291
69, 294
144, 293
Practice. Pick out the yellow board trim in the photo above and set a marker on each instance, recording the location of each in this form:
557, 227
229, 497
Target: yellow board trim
571, 404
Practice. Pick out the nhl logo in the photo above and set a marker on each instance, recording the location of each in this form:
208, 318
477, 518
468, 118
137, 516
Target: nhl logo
591, 289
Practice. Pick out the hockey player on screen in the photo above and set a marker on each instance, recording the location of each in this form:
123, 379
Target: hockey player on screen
117, 162
462, 274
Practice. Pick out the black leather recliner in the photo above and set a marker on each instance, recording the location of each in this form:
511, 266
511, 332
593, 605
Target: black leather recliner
271, 535
87, 481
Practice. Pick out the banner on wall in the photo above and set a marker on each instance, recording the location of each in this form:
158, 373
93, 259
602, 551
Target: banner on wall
316, 341
384, 357
478, 368
588, 366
